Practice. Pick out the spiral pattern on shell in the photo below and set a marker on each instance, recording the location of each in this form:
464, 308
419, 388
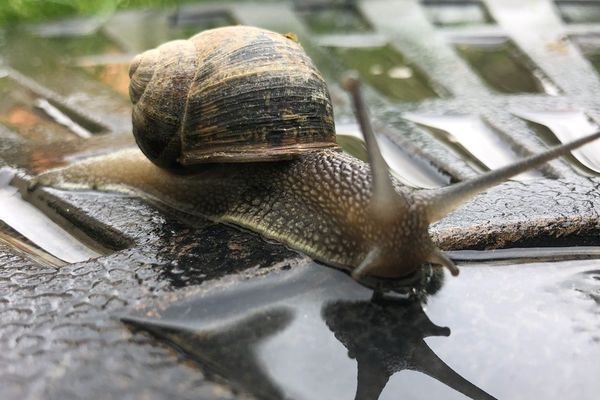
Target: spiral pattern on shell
233, 94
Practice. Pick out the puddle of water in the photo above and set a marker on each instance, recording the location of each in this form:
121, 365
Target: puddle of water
567, 125
579, 12
475, 137
34, 225
444, 13
333, 18
408, 169
311, 332
503, 66
385, 69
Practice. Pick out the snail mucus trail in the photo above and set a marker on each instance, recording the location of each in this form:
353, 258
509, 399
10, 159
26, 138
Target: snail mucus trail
309, 196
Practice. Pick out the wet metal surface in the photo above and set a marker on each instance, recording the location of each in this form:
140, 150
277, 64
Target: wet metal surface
37, 227
447, 13
567, 125
252, 319
476, 138
408, 168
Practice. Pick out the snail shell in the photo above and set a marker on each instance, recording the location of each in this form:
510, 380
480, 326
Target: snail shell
233, 94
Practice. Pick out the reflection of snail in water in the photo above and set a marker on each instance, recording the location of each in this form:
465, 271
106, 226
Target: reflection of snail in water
386, 337
238, 96
236, 332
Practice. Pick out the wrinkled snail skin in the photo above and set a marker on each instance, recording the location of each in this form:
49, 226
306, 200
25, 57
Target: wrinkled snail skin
252, 95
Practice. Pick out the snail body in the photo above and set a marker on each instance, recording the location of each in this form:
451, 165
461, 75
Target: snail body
303, 193
312, 204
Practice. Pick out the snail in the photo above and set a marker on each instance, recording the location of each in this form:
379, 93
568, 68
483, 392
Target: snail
236, 125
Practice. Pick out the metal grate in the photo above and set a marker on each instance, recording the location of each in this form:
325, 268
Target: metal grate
455, 88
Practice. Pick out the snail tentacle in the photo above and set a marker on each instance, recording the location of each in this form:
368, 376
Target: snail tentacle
385, 200
438, 257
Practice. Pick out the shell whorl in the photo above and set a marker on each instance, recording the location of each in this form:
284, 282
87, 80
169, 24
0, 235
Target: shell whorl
234, 94
158, 76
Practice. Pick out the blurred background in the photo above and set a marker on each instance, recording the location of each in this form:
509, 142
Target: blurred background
495, 74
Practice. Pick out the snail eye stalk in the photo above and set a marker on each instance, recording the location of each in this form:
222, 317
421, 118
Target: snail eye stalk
385, 199
437, 256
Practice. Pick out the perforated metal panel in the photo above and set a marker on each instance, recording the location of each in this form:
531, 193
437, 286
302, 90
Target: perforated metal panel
455, 88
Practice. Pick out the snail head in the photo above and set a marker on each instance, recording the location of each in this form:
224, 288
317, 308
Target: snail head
400, 241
